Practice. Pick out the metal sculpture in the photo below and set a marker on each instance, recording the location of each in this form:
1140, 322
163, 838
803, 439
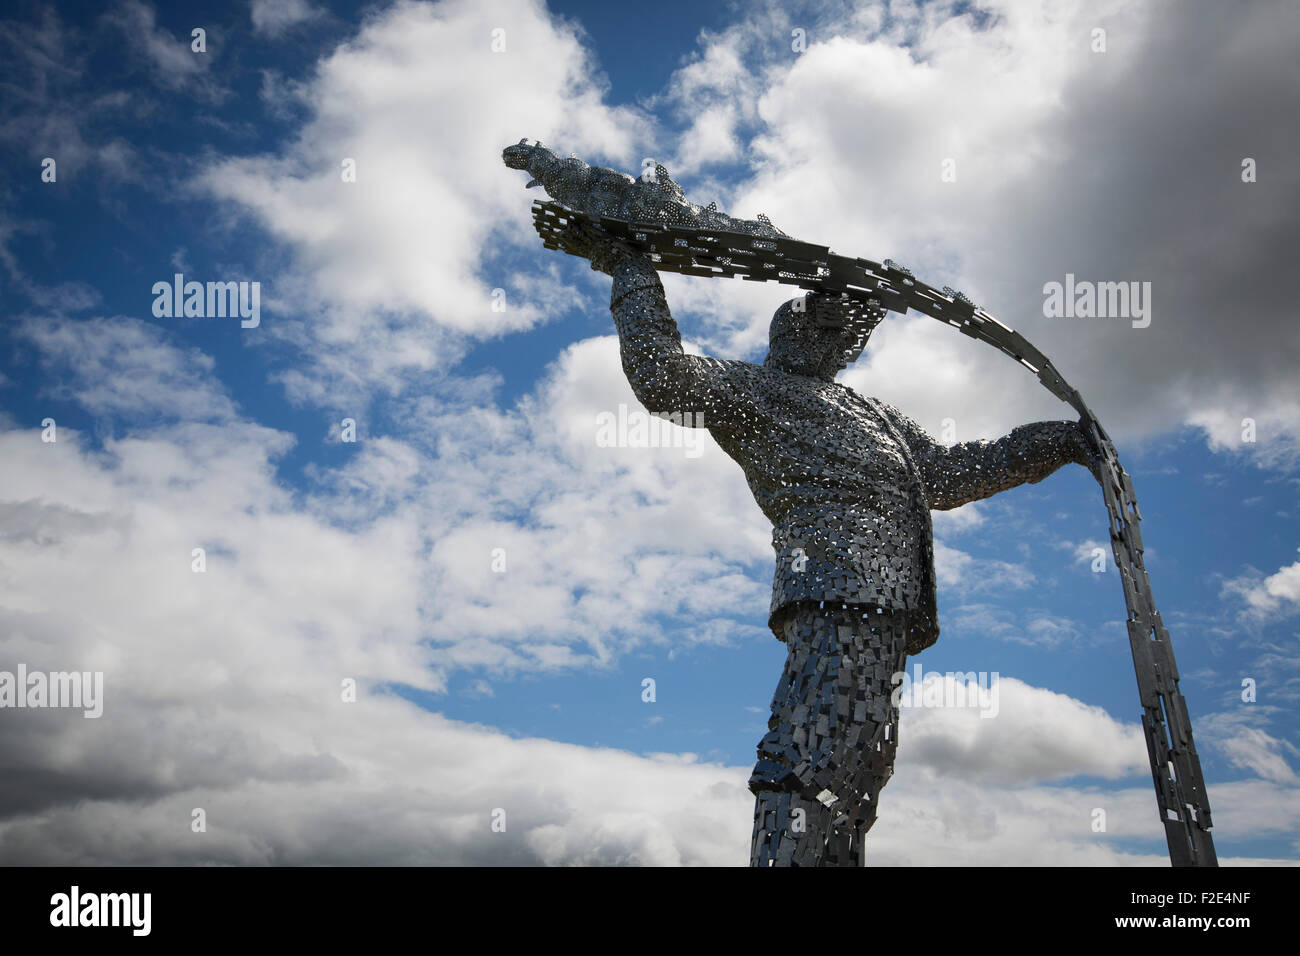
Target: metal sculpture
848, 483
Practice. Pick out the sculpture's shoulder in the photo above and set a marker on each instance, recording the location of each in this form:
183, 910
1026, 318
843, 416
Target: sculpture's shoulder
740, 393
881, 409
733, 369
767, 385
730, 377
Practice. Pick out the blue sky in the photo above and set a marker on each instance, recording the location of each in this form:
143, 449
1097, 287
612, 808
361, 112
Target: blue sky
369, 560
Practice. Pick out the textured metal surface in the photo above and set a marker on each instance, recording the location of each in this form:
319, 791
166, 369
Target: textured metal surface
833, 733
803, 444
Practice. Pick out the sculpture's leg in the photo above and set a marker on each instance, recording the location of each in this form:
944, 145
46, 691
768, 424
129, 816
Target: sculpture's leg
787, 830
832, 738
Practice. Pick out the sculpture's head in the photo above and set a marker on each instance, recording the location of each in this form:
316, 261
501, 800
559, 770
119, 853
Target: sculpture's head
521, 153
819, 334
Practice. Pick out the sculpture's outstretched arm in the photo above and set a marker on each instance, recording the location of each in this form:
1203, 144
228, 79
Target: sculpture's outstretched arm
965, 472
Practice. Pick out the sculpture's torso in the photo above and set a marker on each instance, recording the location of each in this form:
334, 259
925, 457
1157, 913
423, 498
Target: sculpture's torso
850, 521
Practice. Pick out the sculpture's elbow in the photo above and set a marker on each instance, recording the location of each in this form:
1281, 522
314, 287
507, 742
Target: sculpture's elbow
662, 385
652, 388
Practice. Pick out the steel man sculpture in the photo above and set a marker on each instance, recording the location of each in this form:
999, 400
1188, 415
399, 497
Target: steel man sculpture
848, 482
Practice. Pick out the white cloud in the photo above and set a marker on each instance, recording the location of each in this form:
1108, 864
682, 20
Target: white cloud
393, 272
1235, 421
173, 63
617, 542
1276, 595
1029, 626
716, 93
47, 114
274, 17
958, 520
1019, 734
615, 536
1057, 171
1238, 736
125, 367
1084, 552
965, 574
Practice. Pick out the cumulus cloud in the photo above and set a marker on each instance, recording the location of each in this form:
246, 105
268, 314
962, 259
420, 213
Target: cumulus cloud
1058, 170
395, 271
1011, 733
1265, 597
613, 537
382, 782
935, 821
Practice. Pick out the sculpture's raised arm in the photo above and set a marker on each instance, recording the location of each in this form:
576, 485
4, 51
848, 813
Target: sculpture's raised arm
666, 380
692, 390
663, 377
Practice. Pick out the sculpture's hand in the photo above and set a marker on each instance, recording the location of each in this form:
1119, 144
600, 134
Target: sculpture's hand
1088, 452
594, 244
